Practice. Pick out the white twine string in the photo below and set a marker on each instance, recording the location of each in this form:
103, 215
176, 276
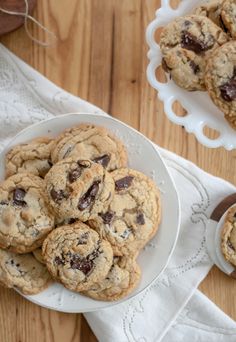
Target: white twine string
29, 17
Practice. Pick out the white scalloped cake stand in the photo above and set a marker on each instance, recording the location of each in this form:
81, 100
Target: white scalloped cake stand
200, 109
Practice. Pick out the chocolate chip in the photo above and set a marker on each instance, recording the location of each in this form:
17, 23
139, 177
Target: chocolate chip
107, 217
123, 183
71, 221
59, 261
84, 265
18, 197
194, 67
83, 239
103, 160
165, 66
58, 196
190, 42
187, 23
84, 163
140, 219
3, 203
228, 90
74, 174
89, 197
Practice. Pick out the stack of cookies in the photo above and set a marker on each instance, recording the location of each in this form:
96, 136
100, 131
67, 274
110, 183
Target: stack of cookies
199, 52
71, 211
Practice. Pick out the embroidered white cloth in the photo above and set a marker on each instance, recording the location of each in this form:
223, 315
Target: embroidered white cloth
171, 309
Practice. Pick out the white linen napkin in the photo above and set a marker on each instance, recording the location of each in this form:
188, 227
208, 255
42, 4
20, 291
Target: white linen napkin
164, 311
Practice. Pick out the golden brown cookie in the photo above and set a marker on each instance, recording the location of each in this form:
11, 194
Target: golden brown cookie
25, 219
77, 257
88, 141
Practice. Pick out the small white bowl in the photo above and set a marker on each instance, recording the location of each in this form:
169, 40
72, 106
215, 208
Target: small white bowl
143, 156
201, 111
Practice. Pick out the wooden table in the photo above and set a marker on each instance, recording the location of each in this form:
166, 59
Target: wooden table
100, 55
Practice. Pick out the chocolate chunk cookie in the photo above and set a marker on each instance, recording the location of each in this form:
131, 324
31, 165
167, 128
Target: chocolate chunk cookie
228, 236
88, 141
220, 80
122, 278
38, 255
23, 272
186, 44
33, 157
78, 188
228, 15
132, 217
77, 257
25, 219
212, 10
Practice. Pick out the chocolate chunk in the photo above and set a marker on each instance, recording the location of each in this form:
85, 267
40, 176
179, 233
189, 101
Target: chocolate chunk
187, 23
190, 42
140, 219
83, 239
228, 90
103, 160
230, 245
58, 196
107, 217
59, 261
84, 265
74, 174
89, 197
3, 203
71, 221
18, 197
194, 67
123, 183
165, 66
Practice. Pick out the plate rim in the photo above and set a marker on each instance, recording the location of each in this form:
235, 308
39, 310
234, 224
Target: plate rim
153, 146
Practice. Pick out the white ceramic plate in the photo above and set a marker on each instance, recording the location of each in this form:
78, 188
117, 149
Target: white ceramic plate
144, 157
201, 110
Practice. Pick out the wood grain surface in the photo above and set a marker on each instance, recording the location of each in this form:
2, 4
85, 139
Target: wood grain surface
100, 55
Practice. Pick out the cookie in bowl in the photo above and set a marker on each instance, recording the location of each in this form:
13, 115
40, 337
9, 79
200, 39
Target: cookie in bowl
77, 257
23, 272
123, 277
212, 10
87, 141
220, 79
25, 217
32, 157
78, 189
133, 215
186, 44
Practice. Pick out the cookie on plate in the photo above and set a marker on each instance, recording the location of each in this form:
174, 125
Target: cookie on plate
88, 141
228, 15
228, 236
186, 43
220, 80
38, 255
132, 217
211, 10
78, 188
33, 157
122, 278
25, 219
23, 272
77, 257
